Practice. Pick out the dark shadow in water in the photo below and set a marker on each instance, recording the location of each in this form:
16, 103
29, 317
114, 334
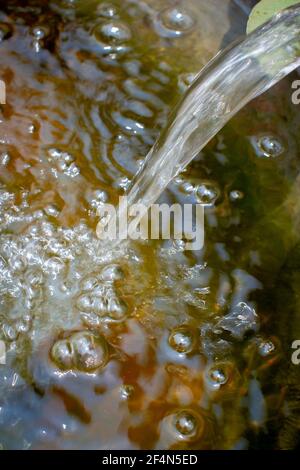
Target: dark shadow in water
238, 12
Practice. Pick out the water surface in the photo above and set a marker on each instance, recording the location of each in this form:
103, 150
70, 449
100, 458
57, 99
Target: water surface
146, 345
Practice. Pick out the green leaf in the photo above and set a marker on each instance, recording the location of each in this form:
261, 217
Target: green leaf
264, 11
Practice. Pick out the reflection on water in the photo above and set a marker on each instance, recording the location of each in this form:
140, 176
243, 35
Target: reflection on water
231, 79
147, 345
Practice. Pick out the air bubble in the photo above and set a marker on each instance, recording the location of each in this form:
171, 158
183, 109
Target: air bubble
112, 273
64, 161
123, 183
100, 300
40, 32
271, 146
187, 187
182, 340
266, 348
101, 195
176, 21
91, 352
4, 158
217, 375
54, 266
126, 392
187, 425
18, 265
117, 309
10, 332
71, 169
99, 306
85, 303
22, 327
38, 214
268, 146
32, 129
98, 198
221, 376
62, 354
52, 210
236, 195
47, 229
207, 193
89, 283
112, 34
91, 320
107, 10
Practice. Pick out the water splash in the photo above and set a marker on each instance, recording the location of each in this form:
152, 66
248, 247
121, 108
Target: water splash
232, 79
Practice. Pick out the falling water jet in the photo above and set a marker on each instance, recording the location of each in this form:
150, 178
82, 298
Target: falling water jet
229, 81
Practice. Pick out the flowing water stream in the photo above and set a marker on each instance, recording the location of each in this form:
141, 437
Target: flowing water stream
147, 345
221, 89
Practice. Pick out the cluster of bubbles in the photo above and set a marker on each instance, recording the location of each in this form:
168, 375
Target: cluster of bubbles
207, 193
82, 351
63, 162
99, 299
45, 268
